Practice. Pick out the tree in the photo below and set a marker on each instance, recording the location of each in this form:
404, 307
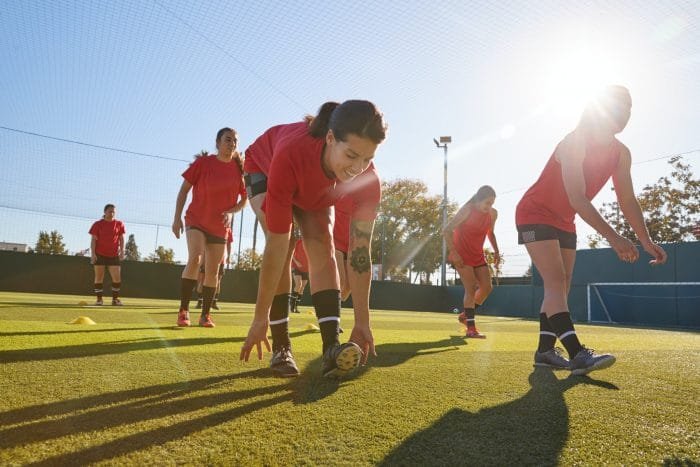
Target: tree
162, 255
671, 208
131, 250
250, 260
50, 243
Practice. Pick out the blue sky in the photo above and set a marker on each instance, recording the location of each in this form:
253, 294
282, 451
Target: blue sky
505, 79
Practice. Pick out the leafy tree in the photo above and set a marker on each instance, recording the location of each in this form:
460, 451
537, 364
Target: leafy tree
671, 208
250, 260
162, 255
50, 243
131, 250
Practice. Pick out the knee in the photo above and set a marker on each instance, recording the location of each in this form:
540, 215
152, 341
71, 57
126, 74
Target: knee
486, 288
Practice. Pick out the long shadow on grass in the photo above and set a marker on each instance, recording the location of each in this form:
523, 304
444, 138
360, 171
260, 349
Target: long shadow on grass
68, 305
531, 430
81, 331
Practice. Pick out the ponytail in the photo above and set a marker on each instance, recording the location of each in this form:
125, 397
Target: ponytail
318, 125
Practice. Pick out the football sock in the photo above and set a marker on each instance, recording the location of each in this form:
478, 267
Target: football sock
564, 328
471, 321
98, 290
279, 321
327, 306
116, 287
207, 297
547, 335
186, 286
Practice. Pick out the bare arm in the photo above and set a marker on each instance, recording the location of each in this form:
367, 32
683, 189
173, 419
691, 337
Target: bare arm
492, 237
360, 279
179, 206
121, 246
93, 245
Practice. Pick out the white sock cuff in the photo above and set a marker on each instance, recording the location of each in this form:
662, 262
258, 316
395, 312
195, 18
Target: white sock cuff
547, 333
567, 334
329, 318
279, 321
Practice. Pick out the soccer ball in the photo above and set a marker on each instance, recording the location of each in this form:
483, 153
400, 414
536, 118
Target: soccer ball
455, 310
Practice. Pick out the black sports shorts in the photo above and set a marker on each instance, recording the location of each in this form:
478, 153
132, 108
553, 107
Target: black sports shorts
107, 261
255, 183
528, 233
209, 238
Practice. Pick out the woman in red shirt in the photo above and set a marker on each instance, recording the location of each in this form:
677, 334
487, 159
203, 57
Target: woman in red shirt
577, 170
465, 235
297, 172
218, 192
107, 249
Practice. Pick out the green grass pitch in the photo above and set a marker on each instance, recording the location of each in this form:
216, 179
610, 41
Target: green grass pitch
136, 390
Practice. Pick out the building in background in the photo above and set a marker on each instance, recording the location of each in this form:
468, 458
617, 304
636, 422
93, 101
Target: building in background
6, 246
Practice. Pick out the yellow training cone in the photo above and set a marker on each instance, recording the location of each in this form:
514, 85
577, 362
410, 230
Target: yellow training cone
82, 320
82, 303
311, 327
310, 312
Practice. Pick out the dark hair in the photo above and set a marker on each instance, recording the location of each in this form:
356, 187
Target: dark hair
482, 193
236, 155
606, 100
107, 206
353, 117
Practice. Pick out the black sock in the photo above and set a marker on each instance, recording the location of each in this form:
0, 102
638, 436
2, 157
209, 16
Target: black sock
186, 286
98, 290
293, 301
471, 321
547, 335
116, 287
564, 328
279, 321
327, 306
207, 297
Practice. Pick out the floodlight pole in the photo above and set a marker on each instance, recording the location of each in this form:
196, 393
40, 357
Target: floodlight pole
442, 143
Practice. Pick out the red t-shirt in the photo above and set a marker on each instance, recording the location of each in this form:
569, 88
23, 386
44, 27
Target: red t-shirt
300, 257
357, 199
216, 187
107, 233
469, 236
546, 202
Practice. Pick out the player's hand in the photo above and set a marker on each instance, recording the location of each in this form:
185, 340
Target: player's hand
456, 260
496, 259
226, 218
121, 256
257, 335
625, 249
657, 252
362, 336
93, 259
178, 228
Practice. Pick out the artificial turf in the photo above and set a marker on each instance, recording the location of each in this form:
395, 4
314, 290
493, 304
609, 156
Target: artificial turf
136, 390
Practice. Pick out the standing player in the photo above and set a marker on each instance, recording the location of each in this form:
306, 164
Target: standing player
107, 249
465, 235
219, 277
577, 170
218, 193
298, 171
300, 274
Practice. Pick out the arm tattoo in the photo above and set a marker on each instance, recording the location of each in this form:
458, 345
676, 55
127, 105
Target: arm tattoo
359, 259
361, 229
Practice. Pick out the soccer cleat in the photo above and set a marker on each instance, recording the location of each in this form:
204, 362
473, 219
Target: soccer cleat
462, 318
205, 321
199, 304
474, 333
551, 358
214, 306
99, 303
183, 318
282, 363
117, 302
586, 361
340, 359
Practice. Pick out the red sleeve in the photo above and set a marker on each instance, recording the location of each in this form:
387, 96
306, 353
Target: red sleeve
367, 200
122, 230
194, 171
94, 230
281, 186
242, 193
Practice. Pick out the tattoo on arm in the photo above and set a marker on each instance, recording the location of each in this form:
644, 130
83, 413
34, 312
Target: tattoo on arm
359, 259
361, 229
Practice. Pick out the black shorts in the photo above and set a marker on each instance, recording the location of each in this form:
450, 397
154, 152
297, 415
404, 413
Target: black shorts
107, 261
255, 183
528, 233
304, 275
209, 238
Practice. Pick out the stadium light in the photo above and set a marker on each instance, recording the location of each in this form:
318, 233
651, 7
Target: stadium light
442, 143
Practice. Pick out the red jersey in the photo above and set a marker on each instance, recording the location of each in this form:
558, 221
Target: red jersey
295, 176
216, 187
358, 199
300, 258
546, 202
108, 234
469, 236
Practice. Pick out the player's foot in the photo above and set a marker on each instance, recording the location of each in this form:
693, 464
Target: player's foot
99, 303
183, 318
116, 302
282, 363
214, 306
205, 321
552, 358
462, 318
474, 333
199, 304
340, 359
586, 361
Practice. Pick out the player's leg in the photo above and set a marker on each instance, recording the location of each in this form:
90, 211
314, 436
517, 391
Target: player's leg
200, 282
115, 272
343, 277
214, 252
99, 280
196, 243
282, 362
470, 283
219, 277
